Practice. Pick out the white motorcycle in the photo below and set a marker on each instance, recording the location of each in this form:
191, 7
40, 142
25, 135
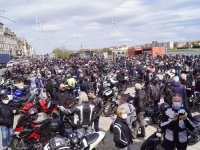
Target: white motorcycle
88, 142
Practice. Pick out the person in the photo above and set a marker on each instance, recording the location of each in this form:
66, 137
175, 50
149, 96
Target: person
189, 89
66, 123
178, 88
121, 78
197, 81
6, 121
175, 124
40, 83
83, 114
98, 103
61, 95
51, 86
148, 76
168, 95
140, 100
153, 92
98, 84
122, 137
70, 84
86, 85
129, 108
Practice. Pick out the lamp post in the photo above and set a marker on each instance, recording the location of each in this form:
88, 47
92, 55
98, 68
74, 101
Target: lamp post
6, 17
40, 26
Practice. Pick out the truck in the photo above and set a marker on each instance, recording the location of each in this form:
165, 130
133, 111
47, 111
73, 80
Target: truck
4, 59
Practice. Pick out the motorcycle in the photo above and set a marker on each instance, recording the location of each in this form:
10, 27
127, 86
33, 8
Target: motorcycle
152, 113
155, 141
88, 142
39, 131
111, 106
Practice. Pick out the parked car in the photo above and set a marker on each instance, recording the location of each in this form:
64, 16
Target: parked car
11, 63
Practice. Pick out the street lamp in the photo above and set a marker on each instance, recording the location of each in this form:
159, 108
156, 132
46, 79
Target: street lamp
40, 25
6, 17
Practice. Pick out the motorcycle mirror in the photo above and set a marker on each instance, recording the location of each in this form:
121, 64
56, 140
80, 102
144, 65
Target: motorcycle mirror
159, 130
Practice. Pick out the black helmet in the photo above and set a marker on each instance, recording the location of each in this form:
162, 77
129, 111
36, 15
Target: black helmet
2, 92
33, 113
163, 107
74, 139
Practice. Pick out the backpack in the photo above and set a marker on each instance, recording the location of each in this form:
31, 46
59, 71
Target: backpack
155, 92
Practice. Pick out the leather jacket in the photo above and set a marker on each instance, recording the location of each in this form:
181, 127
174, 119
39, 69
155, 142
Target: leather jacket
140, 101
6, 114
98, 102
83, 114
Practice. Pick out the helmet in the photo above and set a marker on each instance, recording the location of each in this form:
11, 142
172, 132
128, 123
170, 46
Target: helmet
163, 108
68, 75
59, 142
33, 113
2, 92
36, 91
74, 139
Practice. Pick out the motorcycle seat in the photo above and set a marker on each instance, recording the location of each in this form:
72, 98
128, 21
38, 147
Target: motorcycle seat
21, 99
92, 138
197, 118
149, 109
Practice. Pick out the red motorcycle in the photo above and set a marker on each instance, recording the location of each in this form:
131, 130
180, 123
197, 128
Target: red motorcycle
34, 128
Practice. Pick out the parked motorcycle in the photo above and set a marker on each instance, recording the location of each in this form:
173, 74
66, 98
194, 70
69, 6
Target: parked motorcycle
88, 142
152, 113
36, 129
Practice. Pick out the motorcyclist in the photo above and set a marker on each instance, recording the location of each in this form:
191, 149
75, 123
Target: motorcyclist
98, 84
83, 114
121, 78
70, 84
153, 92
7, 73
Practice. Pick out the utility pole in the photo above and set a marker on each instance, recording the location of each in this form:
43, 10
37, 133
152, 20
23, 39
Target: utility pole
40, 26
164, 37
114, 32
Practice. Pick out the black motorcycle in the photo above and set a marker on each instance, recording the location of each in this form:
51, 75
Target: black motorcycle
155, 141
153, 113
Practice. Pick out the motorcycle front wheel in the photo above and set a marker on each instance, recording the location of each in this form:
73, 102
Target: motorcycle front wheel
109, 109
18, 144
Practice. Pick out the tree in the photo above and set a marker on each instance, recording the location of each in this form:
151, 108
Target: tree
62, 53
106, 50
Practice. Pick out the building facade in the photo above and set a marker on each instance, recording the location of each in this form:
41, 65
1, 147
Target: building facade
119, 50
13, 45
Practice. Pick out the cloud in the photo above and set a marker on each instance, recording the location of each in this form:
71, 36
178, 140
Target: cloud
74, 22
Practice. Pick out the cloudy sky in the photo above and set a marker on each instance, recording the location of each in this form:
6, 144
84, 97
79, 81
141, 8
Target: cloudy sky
89, 23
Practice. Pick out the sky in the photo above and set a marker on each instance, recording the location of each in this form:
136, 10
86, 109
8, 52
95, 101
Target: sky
92, 24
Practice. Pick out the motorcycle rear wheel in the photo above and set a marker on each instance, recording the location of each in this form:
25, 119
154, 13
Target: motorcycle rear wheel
109, 109
17, 144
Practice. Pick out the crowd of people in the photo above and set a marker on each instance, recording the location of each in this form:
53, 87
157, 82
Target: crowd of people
80, 115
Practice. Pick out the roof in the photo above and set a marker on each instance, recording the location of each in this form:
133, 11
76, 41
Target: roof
193, 41
1, 23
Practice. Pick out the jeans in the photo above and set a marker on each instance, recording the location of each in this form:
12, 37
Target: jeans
96, 124
41, 93
80, 132
7, 132
68, 131
168, 145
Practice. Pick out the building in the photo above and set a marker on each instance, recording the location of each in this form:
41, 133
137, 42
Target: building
119, 50
153, 51
1, 37
170, 45
180, 44
193, 42
14, 45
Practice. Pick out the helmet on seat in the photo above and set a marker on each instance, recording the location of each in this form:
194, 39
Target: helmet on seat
74, 139
2, 92
33, 113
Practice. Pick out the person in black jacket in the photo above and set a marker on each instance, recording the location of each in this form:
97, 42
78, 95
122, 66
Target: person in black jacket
61, 95
98, 102
6, 121
175, 123
168, 95
122, 137
86, 85
121, 78
140, 100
